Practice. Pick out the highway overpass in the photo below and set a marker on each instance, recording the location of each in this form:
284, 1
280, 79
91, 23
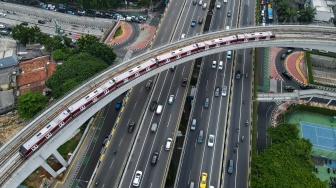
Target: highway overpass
14, 169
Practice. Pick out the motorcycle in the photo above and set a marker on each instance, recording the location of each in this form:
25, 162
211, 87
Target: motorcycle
247, 123
242, 138
246, 75
235, 150
243, 101
237, 130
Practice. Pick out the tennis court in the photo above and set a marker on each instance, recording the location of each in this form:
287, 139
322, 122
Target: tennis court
322, 137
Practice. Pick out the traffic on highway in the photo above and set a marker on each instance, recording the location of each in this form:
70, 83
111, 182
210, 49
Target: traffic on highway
186, 126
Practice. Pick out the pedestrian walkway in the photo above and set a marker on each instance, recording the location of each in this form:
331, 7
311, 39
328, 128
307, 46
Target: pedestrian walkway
265, 85
295, 66
126, 32
146, 34
272, 55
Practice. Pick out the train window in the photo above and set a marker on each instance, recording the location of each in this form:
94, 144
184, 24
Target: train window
87, 97
139, 67
115, 79
181, 50
220, 39
39, 134
48, 126
173, 52
130, 71
110, 81
96, 91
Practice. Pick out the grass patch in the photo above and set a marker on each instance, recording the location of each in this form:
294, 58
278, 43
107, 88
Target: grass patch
118, 32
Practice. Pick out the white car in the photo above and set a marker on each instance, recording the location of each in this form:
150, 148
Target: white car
137, 178
168, 143
218, 5
224, 91
2, 26
211, 140
2, 14
171, 99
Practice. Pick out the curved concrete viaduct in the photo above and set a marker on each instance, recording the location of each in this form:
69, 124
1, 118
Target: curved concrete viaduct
14, 169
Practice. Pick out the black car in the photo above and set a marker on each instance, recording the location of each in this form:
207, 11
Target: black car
41, 22
200, 20
155, 157
184, 82
131, 127
283, 56
287, 75
24, 23
289, 88
238, 75
303, 86
153, 106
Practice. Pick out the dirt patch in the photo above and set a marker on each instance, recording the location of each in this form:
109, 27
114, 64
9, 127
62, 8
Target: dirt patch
317, 160
10, 124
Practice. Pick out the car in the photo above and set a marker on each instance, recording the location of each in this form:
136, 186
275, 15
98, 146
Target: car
183, 36
217, 90
97, 183
289, 88
118, 106
193, 23
206, 102
184, 82
303, 86
24, 23
204, 5
287, 75
224, 91
194, 2
155, 157
203, 181
137, 178
283, 56
289, 51
105, 141
173, 68
171, 99
41, 22
4, 32
153, 105
229, 13
218, 5
238, 75
211, 140
131, 127
2, 14
168, 143
2, 26
200, 20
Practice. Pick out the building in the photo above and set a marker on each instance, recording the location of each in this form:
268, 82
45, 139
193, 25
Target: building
8, 66
324, 11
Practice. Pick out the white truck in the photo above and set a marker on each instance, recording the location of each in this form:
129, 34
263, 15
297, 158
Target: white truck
225, 1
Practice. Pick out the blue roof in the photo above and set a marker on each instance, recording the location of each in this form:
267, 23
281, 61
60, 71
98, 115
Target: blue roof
8, 62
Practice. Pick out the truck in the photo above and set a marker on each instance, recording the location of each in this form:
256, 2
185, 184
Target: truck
270, 13
225, 1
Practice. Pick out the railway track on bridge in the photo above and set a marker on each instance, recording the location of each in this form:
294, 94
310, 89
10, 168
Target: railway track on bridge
61, 105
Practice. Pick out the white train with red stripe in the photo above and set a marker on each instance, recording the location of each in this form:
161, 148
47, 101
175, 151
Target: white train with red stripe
82, 104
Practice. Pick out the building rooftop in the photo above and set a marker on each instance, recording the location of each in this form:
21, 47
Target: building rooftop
34, 73
8, 61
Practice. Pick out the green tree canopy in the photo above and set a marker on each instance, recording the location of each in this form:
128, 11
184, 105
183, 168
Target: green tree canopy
283, 132
30, 104
90, 44
285, 163
74, 71
25, 35
307, 15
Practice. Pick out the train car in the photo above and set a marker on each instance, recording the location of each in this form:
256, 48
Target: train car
82, 104
44, 134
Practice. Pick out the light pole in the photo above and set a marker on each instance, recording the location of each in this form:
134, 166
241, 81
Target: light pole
80, 181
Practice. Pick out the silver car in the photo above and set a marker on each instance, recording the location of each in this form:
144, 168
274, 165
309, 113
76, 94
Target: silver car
224, 91
217, 90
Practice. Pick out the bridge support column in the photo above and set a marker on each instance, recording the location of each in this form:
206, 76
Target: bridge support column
49, 169
60, 159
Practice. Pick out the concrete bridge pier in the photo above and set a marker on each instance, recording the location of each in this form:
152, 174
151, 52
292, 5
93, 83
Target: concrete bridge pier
51, 171
60, 159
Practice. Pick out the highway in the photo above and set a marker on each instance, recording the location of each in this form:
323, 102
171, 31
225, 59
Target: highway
197, 157
147, 142
240, 112
295, 39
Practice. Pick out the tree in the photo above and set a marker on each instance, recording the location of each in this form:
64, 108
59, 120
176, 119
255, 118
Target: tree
90, 44
286, 163
283, 132
290, 14
25, 35
60, 54
307, 15
73, 72
281, 9
30, 104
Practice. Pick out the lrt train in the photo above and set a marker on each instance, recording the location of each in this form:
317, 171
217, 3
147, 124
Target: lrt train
35, 142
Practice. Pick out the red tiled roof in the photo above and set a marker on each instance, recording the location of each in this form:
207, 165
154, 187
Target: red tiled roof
34, 74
